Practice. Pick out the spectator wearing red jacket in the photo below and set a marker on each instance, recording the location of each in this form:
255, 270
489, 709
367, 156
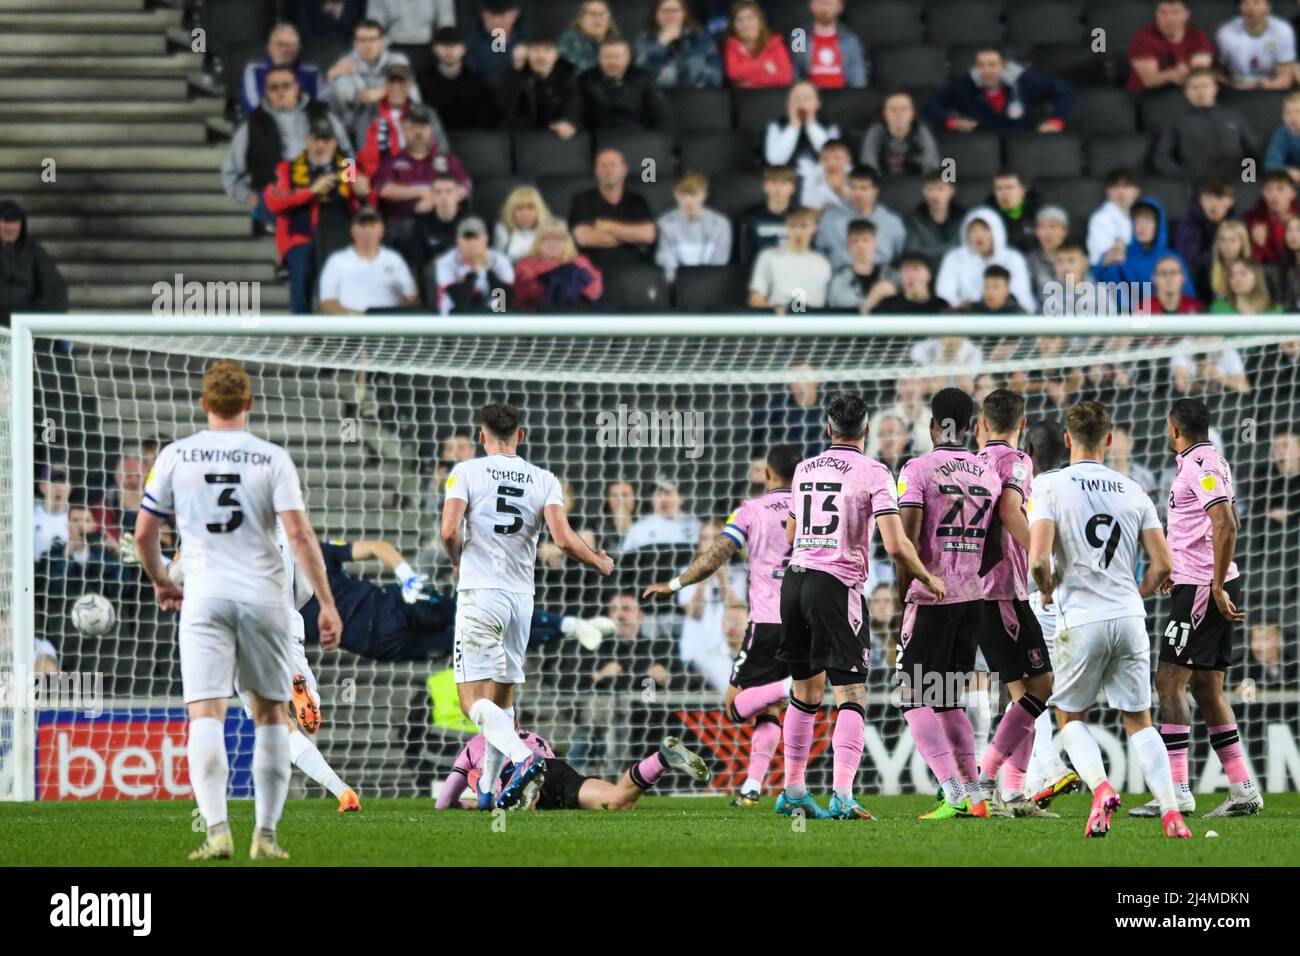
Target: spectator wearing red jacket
313, 198
404, 183
1165, 51
753, 57
1170, 282
384, 134
553, 275
1267, 220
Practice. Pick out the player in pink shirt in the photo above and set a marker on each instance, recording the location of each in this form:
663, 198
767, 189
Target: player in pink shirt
948, 498
564, 788
757, 676
1011, 638
1205, 589
836, 498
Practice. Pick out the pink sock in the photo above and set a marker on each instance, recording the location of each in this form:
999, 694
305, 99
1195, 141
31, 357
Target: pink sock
767, 734
798, 733
1013, 771
930, 742
847, 743
1016, 725
647, 773
754, 700
1227, 744
961, 739
1177, 738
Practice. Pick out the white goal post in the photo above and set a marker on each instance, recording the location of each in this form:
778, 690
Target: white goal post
397, 372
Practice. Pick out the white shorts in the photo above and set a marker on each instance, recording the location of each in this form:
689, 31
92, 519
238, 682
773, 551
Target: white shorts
224, 641
492, 629
1113, 655
1046, 621
297, 665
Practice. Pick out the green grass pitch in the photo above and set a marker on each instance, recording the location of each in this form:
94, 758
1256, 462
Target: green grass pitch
661, 831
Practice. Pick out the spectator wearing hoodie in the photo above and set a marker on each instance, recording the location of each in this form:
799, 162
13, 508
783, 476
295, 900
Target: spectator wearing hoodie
754, 57
1001, 96
984, 243
1017, 204
1194, 238
898, 144
356, 81
410, 25
831, 56
1149, 245
617, 94
1284, 147
1111, 223
863, 203
275, 131
676, 51
29, 279
1204, 139
384, 136
934, 227
283, 48
542, 93
1267, 220
460, 96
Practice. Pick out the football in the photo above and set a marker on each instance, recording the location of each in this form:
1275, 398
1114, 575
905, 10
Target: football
93, 614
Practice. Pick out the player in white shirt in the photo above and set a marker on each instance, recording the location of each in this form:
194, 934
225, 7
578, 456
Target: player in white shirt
227, 488
1087, 525
493, 514
1047, 776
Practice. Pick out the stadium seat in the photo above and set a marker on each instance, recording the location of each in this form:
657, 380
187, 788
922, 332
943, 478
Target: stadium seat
963, 21
558, 191
630, 15
1077, 195
542, 153
639, 145
961, 58
1073, 62
552, 18
710, 288
1103, 110
1261, 108
1209, 15
976, 154
635, 288
234, 57
1157, 108
1046, 21
490, 192
735, 194
238, 21
485, 152
973, 191
786, 15
911, 65
1245, 195
658, 195
851, 109
718, 153
1045, 154
756, 108
694, 110
1116, 152
885, 23
1174, 195
1120, 19
901, 193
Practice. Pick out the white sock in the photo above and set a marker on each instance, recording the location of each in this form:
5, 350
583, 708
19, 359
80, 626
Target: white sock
270, 773
1154, 758
751, 786
977, 709
493, 761
499, 730
1084, 753
952, 791
309, 760
1245, 790
209, 769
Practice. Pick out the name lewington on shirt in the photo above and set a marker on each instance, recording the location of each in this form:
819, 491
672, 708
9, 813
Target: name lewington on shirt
233, 456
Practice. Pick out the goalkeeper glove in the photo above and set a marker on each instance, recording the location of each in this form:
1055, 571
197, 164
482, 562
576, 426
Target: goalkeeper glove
126, 549
413, 584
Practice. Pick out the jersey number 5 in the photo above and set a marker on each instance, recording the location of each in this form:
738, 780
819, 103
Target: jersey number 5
506, 508
226, 499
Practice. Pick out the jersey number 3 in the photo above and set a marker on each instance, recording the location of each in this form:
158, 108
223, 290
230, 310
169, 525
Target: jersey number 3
226, 499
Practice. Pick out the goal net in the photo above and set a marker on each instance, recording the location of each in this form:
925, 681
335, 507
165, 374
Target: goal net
656, 438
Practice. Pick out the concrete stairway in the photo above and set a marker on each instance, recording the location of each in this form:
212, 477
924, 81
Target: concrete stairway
111, 92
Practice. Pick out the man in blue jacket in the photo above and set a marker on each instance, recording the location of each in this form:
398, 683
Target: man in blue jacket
1001, 96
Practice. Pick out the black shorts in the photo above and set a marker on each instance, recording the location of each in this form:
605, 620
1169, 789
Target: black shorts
824, 624
560, 787
1012, 640
937, 651
1197, 636
757, 663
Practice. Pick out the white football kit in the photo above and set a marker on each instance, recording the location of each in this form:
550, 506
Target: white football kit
226, 488
1101, 637
1046, 615
505, 502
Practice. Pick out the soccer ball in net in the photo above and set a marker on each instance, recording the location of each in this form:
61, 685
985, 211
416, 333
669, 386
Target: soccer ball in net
93, 614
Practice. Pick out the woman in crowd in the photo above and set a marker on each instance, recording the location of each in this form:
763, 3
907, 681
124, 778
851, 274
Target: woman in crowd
898, 144
1247, 292
553, 276
797, 141
755, 58
580, 44
1288, 284
1232, 242
516, 230
676, 51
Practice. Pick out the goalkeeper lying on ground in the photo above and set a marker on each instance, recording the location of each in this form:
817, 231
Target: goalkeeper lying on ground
562, 787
